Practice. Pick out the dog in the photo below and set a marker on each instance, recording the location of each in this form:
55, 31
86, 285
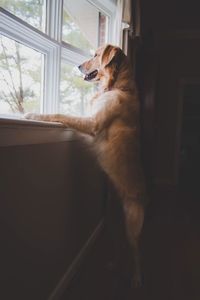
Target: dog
115, 130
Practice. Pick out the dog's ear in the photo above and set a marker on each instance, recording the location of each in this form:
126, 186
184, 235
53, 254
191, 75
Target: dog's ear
110, 54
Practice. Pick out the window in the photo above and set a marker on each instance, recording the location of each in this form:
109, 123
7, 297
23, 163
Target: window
31, 11
75, 93
20, 77
86, 31
39, 54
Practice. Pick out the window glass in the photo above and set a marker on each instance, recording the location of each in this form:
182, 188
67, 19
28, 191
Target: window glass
75, 92
21, 77
85, 30
31, 11
22, 85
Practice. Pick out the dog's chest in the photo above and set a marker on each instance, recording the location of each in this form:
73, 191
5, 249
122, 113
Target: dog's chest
99, 104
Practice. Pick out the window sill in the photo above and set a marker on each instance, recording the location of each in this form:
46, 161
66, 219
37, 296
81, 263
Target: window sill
17, 131
13, 120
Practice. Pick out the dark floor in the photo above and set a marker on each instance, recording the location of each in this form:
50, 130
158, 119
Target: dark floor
170, 247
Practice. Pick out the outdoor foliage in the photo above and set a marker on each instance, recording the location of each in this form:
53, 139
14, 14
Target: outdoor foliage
73, 35
20, 76
30, 11
75, 93
20, 67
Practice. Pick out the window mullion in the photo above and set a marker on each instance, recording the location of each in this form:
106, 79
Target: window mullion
54, 19
52, 81
52, 65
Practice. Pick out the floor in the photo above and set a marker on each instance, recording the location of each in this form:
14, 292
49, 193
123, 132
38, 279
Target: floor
170, 248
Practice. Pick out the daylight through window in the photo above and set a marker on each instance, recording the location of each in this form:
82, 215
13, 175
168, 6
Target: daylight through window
39, 55
20, 77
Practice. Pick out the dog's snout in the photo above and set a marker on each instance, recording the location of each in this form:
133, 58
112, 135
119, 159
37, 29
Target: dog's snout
80, 67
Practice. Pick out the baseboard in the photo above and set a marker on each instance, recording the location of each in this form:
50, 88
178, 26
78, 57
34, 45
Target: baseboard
65, 281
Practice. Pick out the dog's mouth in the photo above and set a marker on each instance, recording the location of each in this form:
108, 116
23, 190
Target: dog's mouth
91, 75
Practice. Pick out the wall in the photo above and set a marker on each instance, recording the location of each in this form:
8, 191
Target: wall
168, 54
51, 202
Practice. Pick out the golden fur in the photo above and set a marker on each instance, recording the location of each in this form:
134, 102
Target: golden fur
115, 132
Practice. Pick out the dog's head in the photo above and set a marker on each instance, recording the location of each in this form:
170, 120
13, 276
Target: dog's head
104, 65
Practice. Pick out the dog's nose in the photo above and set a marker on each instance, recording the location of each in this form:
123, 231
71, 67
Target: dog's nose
79, 67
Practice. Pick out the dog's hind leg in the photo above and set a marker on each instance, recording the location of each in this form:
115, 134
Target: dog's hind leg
134, 217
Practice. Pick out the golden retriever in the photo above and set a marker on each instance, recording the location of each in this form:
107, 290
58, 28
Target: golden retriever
115, 131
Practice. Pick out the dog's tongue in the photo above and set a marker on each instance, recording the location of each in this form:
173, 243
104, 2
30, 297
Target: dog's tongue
91, 75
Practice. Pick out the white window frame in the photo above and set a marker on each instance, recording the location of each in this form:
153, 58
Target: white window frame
16, 29
51, 45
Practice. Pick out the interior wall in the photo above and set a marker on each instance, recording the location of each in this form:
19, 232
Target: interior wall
169, 15
168, 53
52, 198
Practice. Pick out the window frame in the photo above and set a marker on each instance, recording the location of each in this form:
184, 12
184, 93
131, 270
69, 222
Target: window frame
50, 44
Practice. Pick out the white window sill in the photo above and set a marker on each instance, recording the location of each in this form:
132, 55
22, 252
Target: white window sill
15, 120
16, 131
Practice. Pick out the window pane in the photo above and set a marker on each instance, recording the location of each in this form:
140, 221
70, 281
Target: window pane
86, 30
31, 11
20, 77
75, 92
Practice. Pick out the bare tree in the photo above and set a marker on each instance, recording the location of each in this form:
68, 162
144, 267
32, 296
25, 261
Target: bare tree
14, 93
12, 89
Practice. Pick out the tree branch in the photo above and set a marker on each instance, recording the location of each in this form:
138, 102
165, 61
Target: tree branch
8, 67
10, 90
7, 101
